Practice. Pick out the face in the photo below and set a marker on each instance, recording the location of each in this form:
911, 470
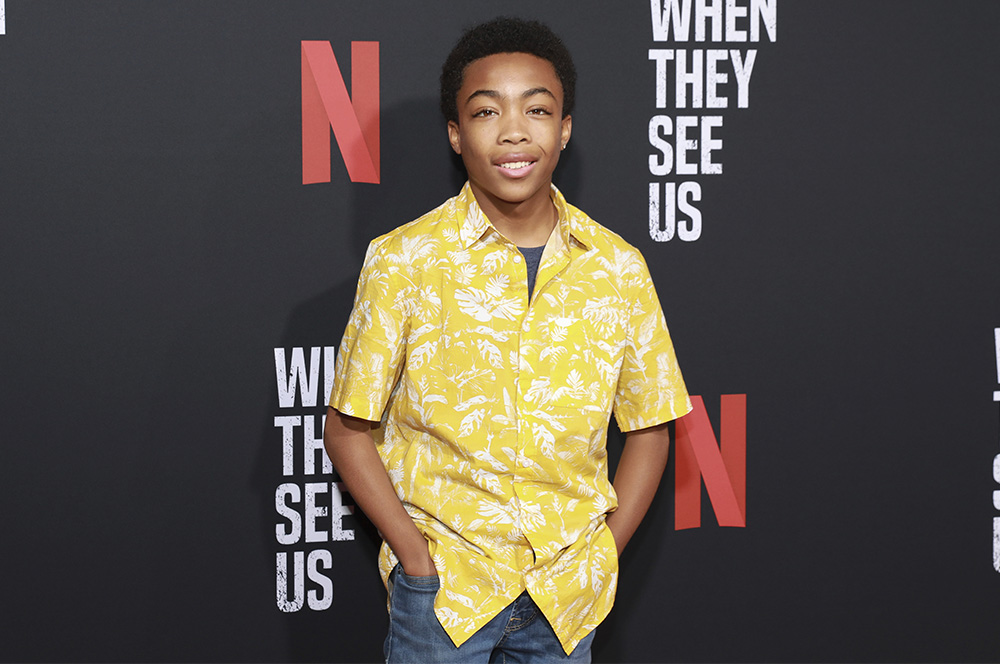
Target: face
510, 128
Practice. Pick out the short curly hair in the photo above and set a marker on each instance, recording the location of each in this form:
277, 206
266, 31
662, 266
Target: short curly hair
505, 34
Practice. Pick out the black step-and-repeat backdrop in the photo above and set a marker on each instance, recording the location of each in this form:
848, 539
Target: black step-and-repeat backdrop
186, 192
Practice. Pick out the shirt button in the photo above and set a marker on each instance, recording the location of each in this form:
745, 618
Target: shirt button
517, 258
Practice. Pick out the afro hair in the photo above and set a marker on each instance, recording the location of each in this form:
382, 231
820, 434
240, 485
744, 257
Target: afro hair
505, 35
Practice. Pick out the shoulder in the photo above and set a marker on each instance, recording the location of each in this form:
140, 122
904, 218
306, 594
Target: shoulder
423, 237
606, 246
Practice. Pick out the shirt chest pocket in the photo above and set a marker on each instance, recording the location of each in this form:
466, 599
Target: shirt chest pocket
579, 362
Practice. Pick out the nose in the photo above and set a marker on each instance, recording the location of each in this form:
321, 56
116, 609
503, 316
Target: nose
514, 129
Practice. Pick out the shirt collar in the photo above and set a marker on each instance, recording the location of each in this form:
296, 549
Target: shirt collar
573, 226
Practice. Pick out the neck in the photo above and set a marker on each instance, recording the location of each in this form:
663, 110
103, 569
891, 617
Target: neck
527, 223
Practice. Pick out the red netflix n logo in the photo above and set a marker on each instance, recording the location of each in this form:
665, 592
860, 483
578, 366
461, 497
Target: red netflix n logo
354, 118
724, 470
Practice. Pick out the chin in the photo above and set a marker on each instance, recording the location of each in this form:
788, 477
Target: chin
515, 193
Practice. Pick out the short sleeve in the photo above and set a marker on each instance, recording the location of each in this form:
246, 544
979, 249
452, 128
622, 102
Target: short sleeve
374, 343
650, 388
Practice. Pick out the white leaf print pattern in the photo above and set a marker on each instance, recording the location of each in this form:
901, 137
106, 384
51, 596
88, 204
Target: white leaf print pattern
490, 390
422, 353
474, 303
469, 403
492, 261
484, 308
471, 423
490, 352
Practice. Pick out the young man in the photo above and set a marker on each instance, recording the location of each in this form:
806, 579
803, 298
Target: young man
494, 385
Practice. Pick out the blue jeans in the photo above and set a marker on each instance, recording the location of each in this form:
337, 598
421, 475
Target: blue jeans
519, 633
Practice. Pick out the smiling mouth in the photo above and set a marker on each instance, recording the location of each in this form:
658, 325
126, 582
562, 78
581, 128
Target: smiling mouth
515, 165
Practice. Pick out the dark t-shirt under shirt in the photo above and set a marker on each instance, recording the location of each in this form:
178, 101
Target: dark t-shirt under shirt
532, 257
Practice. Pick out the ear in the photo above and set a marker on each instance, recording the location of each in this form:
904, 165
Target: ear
454, 137
567, 129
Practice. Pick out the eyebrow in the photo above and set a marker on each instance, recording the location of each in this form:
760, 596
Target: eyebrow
493, 94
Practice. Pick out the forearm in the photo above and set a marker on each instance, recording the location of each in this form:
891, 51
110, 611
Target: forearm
637, 478
349, 444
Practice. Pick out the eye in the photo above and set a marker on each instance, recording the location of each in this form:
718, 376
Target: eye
539, 111
485, 112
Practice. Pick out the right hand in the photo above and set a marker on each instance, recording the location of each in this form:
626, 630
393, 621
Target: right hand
421, 567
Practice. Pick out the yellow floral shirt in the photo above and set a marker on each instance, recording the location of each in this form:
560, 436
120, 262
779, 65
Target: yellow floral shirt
495, 411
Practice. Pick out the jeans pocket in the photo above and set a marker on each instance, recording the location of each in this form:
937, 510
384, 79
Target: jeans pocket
423, 583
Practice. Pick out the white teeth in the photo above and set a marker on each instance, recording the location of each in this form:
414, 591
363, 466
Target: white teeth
514, 165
